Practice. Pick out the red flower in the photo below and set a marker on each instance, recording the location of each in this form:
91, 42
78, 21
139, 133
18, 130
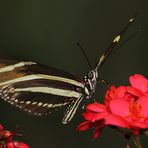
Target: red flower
124, 106
6, 139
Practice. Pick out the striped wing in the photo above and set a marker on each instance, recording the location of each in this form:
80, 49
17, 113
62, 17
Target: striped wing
36, 88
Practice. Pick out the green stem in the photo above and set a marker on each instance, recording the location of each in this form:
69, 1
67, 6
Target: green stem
137, 142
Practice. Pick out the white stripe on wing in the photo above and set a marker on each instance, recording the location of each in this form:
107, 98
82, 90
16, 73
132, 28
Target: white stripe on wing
12, 67
42, 76
50, 90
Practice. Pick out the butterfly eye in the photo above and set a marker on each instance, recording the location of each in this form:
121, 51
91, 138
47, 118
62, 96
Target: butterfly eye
90, 75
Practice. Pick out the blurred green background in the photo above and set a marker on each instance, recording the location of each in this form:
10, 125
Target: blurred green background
46, 31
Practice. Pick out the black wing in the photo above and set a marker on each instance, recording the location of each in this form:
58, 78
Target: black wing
36, 88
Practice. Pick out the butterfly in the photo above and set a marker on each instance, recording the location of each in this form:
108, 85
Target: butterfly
39, 89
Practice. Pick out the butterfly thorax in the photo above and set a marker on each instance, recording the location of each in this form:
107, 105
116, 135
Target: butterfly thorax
90, 81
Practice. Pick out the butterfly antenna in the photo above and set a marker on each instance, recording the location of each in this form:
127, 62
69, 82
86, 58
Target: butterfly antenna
114, 43
84, 54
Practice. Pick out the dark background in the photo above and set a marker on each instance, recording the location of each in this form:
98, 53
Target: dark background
46, 31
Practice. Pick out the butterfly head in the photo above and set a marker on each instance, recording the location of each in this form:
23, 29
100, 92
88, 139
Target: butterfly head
90, 82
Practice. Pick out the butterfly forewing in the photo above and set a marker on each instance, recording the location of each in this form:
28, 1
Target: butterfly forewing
36, 88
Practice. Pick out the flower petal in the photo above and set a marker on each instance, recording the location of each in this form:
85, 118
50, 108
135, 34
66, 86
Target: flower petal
134, 91
88, 115
99, 116
83, 126
120, 91
1, 127
119, 107
117, 121
98, 131
96, 107
139, 81
141, 125
10, 144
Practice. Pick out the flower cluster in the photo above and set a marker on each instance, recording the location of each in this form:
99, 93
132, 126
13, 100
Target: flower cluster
6, 139
123, 107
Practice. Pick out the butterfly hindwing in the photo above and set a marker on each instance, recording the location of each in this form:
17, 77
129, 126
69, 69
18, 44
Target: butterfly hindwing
33, 102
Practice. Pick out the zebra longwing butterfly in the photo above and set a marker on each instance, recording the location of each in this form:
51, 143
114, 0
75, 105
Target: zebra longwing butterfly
40, 89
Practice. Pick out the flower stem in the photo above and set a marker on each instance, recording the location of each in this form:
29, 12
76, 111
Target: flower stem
137, 142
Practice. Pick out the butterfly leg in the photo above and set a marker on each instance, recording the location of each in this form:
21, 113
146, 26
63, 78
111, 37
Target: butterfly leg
104, 82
